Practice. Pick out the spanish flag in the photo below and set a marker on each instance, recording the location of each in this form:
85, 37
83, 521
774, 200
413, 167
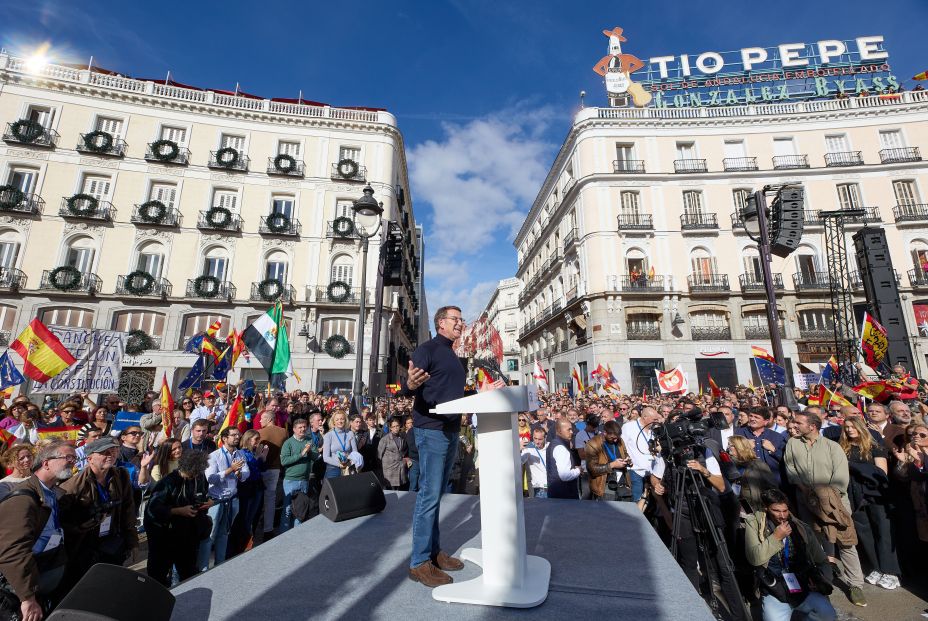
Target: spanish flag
167, 407
43, 354
235, 417
716, 391
576, 375
760, 352
826, 397
920, 76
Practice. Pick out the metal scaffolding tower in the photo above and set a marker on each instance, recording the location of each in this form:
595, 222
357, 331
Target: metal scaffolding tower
839, 284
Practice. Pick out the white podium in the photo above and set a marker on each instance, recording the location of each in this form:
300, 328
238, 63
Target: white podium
510, 577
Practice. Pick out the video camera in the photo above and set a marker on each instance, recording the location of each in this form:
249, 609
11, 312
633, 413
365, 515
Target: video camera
678, 436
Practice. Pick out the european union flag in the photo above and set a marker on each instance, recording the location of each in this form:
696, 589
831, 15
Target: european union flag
195, 377
770, 373
248, 388
195, 344
221, 369
9, 374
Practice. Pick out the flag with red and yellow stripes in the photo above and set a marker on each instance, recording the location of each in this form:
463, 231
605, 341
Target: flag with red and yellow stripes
43, 354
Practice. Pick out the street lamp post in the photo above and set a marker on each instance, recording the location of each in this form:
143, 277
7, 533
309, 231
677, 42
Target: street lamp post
367, 213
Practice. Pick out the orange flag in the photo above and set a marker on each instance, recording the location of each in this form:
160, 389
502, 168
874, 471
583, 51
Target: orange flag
167, 407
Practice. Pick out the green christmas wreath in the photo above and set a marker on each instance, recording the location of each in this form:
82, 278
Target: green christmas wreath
140, 282
270, 289
278, 223
153, 212
165, 150
343, 227
11, 197
206, 286
65, 278
347, 168
138, 342
27, 130
227, 157
82, 204
337, 346
98, 142
338, 291
219, 217
284, 163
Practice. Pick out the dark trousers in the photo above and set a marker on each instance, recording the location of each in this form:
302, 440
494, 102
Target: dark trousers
250, 502
172, 548
875, 540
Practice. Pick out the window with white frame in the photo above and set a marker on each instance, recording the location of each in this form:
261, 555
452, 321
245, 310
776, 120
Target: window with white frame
919, 251
289, 147
227, 199
783, 147
80, 254
752, 267
23, 178
151, 258
150, 321
195, 324
807, 264
275, 267
44, 115
110, 125
163, 192
67, 317
337, 325
9, 249
703, 265
891, 139
708, 319
215, 263
837, 143
282, 204
630, 203
643, 322
7, 317
624, 154
343, 209
686, 150
342, 269
906, 193
174, 134
818, 319
232, 141
97, 186
849, 196
734, 150
692, 202
349, 153
739, 198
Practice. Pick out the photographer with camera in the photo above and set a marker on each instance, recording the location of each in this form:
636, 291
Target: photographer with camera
792, 570
636, 436
607, 463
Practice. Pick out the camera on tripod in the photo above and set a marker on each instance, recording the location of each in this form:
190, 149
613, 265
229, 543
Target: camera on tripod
678, 437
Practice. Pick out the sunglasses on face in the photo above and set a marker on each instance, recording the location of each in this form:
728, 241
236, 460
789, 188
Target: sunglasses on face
920, 434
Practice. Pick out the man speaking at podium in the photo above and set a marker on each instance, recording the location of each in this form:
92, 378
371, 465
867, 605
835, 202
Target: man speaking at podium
435, 376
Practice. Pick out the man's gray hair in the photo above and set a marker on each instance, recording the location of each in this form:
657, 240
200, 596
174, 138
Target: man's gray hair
442, 312
49, 451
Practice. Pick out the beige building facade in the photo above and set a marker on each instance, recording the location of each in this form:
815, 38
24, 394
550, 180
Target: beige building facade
634, 255
502, 312
138, 205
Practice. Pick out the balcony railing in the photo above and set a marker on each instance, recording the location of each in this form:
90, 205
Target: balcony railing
900, 154
143, 286
342, 230
70, 280
14, 200
844, 158
334, 295
816, 334
739, 164
571, 238
87, 207
783, 162
751, 282
272, 291
627, 166
12, 278
287, 166
228, 159
711, 333
161, 153
699, 221
690, 166
811, 217
811, 281
155, 213
761, 332
642, 283
635, 222
216, 221
644, 333
210, 288
277, 225
871, 214
737, 221
708, 283
918, 278
911, 213
100, 143
349, 170
31, 134
5, 338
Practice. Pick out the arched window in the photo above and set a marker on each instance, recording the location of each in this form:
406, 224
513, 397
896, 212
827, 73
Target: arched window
9, 249
216, 262
919, 250
752, 268
337, 325
808, 266
149, 321
704, 266
80, 253
276, 266
636, 262
151, 258
67, 317
342, 269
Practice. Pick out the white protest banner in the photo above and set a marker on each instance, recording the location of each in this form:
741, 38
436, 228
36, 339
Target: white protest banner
99, 361
805, 380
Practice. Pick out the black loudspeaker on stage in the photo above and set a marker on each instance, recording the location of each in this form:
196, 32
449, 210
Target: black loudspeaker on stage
345, 498
114, 593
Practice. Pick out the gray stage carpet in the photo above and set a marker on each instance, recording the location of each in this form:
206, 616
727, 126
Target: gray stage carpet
606, 562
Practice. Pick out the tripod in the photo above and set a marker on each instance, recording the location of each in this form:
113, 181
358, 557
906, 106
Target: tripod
712, 552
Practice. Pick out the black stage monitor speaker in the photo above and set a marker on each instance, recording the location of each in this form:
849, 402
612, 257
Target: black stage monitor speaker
345, 498
114, 593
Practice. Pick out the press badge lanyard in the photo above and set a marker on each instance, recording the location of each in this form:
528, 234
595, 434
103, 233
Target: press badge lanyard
613, 453
792, 583
543, 465
339, 438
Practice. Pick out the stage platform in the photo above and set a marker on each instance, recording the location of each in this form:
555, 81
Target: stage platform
606, 562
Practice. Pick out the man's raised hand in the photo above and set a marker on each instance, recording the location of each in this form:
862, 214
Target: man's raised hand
416, 377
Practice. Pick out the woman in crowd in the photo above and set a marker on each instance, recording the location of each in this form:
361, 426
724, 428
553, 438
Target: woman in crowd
250, 492
166, 459
18, 458
98, 420
394, 456
525, 430
868, 493
187, 405
338, 444
176, 519
912, 470
755, 474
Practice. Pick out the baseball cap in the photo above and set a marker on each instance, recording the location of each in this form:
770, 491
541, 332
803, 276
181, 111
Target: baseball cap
101, 445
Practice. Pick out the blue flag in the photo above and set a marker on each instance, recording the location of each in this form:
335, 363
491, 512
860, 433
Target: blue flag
9, 374
248, 388
221, 369
770, 373
195, 377
125, 419
195, 344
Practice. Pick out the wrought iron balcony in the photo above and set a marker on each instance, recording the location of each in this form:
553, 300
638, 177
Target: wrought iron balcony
710, 333
635, 222
13, 200
30, 133
148, 214
272, 291
811, 217
551, 261
627, 166
759, 332
816, 334
143, 286
213, 222
739, 164
690, 166
708, 283
643, 333
12, 278
844, 158
642, 283
5, 338
101, 143
339, 229
811, 281
70, 280
571, 238
871, 214
752, 283
228, 160
911, 213
161, 153
783, 162
333, 295
918, 278
87, 207
275, 225
699, 221
286, 166
900, 154
342, 171
737, 221
210, 288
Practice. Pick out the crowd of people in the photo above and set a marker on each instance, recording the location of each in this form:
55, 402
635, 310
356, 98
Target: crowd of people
798, 494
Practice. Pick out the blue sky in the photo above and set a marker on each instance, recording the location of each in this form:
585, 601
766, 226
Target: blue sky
484, 92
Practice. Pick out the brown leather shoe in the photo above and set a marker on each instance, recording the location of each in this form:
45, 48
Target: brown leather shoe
447, 563
429, 575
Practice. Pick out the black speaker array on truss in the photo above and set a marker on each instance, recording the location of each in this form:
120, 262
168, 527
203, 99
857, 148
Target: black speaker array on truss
786, 220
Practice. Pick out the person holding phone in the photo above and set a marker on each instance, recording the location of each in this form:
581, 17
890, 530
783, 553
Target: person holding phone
227, 466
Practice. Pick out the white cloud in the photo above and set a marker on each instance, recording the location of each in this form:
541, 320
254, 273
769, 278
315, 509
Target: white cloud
472, 299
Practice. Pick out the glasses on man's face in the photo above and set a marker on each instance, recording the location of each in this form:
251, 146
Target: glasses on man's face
68, 458
133, 433
456, 319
